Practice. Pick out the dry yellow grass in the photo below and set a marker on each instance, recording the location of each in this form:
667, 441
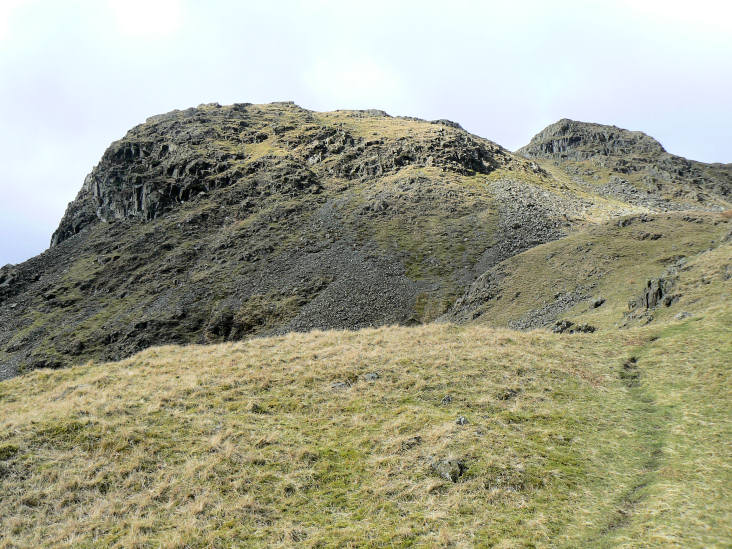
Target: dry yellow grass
250, 443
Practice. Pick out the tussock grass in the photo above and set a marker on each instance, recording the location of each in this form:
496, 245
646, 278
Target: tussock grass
251, 444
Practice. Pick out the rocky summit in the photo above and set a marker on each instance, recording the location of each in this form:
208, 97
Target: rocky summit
221, 223
630, 166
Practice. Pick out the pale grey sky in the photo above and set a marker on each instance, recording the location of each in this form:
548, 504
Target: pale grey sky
77, 74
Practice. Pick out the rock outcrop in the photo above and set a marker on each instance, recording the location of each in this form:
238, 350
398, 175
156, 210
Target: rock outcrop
657, 291
630, 166
572, 140
175, 157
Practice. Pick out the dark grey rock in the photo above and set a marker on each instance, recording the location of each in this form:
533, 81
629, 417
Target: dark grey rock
569, 327
449, 123
562, 326
653, 294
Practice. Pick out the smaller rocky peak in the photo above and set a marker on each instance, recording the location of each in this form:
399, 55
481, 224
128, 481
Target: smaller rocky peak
573, 140
448, 123
364, 113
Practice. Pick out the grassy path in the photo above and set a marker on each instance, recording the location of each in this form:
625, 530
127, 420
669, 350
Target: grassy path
682, 396
649, 424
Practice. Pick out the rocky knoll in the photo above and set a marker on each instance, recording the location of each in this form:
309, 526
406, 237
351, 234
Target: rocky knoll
569, 139
630, 166
226, 222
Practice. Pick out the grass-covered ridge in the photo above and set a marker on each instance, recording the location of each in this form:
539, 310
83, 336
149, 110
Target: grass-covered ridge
286, 440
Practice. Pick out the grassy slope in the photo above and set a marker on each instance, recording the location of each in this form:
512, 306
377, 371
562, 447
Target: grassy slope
202, 445
613, 262
684, 501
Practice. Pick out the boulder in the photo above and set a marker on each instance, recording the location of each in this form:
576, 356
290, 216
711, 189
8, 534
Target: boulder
449, 468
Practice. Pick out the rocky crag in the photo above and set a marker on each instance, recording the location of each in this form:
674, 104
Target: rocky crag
226, 222
630, 166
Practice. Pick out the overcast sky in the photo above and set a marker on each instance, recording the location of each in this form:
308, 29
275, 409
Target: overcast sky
76, 75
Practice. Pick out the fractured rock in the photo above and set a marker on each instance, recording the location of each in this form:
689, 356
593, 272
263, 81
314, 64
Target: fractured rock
656, 292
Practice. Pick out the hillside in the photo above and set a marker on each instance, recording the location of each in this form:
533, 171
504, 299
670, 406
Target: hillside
595, 276
222, 223
263, 326
353, 438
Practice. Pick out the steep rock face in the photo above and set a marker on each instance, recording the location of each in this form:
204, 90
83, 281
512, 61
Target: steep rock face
174, 157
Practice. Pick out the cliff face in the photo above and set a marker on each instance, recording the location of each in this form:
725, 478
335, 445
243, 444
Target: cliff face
221, 223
